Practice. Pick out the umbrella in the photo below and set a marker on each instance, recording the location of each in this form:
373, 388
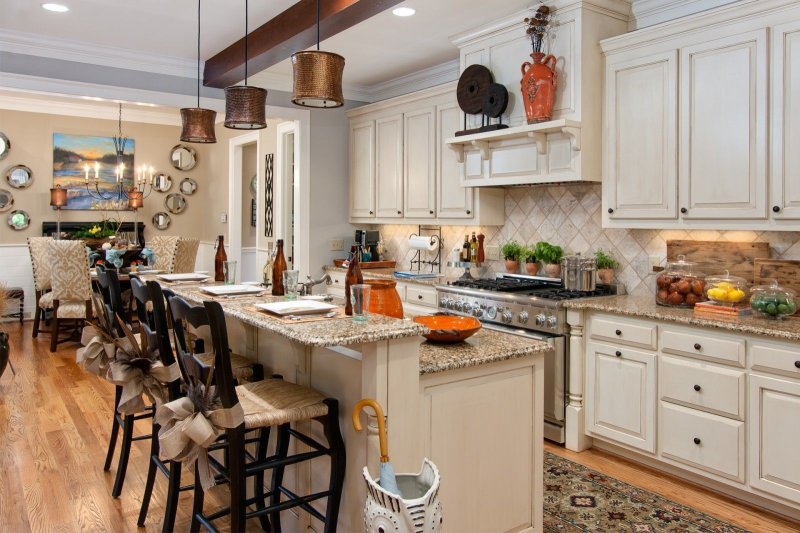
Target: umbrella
388, 479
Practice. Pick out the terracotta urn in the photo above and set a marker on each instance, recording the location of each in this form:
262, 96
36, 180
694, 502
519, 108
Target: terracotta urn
384, 298
532, 268
512, 266
605, 275
539, 82
553, 270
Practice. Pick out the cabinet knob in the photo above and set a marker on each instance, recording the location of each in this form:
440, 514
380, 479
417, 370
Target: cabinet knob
697, 346
399, 212
371, 212
697, 440
776, 209
469, 212
684, 210
419, 297
697, 388
431, 211
797, 364
618, 333
618, 353
610, 210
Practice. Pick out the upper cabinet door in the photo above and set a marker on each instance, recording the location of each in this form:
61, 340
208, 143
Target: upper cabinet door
389, 166
452, 200
723, 125
362, 169
785, 169
420, 163
641, 145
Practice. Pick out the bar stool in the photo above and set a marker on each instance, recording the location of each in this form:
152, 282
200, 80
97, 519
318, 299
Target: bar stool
17, 293
268, 403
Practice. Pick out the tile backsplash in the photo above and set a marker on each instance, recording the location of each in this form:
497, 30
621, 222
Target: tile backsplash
569, 215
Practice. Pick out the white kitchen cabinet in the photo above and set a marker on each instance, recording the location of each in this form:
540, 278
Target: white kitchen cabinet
723, 124
362, 169
641, 154
785, 157
389, 166
452, 199
773, 437
621, 395
419, 142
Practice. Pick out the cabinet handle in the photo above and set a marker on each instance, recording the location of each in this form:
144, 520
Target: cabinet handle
697, 388
610, 210
697, 346
776, 209
797, 364
684, 210
618, 333
618, 353
697, 440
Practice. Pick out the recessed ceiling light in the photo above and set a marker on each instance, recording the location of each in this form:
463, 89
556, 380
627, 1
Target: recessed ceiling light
58, 8
403, 11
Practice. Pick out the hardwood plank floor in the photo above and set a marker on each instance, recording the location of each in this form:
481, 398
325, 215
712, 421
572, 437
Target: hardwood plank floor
54, 428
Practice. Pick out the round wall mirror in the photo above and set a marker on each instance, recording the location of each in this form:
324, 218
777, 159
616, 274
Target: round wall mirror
175, 203
18, 219
5, 145
183, 157
161, 220
6, 200
187, 186
19, 177
162, 182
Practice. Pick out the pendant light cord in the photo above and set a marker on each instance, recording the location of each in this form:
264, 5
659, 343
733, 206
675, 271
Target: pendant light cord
317, 25
198, 53
245, 41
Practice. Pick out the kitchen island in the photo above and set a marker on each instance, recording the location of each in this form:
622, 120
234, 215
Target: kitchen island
474, 408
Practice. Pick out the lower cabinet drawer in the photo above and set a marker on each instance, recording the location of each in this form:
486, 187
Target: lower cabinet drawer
337, 280
708, 442
702, 386
777, 358
420, 296
623, 331
701, 345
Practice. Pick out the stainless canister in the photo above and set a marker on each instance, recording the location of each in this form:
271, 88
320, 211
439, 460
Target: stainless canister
579, 272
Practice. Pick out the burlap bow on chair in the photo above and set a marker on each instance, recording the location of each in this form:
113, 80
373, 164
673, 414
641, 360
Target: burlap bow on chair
96, 354
139, 376
187, 430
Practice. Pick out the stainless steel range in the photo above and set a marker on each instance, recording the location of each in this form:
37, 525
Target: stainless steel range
529, 306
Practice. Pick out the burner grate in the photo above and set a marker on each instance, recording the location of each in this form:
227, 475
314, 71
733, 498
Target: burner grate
499, 285
564, 294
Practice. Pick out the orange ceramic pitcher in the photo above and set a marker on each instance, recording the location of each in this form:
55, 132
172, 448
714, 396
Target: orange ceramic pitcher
384, 299
539, 82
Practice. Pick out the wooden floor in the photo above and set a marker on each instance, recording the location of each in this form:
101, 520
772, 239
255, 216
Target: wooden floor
54, 426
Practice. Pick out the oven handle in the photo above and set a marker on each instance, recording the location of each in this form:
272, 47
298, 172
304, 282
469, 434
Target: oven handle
523, 333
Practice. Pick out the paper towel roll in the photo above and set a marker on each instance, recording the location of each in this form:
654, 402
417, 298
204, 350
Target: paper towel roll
416, 242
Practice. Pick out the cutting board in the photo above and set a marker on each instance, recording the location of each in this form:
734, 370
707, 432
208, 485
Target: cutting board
366, 264
715, 257
787, 272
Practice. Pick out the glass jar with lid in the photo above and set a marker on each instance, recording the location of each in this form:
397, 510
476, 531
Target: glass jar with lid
726, 289
680, 285
773, 301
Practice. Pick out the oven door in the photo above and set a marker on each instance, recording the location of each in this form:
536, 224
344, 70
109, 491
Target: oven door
555, 379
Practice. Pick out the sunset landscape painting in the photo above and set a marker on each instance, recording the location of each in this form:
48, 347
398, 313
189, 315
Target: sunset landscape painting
74, 154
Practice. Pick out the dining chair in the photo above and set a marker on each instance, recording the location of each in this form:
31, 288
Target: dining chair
165, 248
42, 276
185, 255
72, 287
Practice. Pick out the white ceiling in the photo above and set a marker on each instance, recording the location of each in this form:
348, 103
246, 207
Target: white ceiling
380, 49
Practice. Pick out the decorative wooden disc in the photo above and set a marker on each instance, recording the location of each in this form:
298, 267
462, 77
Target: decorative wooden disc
472, 86
495, 100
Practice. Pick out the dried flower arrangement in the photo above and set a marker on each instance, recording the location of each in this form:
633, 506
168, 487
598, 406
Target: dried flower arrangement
538, 26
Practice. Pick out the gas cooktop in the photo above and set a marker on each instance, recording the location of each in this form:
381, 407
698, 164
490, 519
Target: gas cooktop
546, 288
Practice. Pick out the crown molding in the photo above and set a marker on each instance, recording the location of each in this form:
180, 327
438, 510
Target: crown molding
108, 56
651, 12
446, 89
416, 81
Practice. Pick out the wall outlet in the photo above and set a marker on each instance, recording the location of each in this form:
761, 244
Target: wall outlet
493, 253
337, 245
223, 218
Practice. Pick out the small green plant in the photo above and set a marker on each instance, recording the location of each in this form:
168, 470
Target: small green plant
605, 260
512, 251
548, 253
530, 255
104, 228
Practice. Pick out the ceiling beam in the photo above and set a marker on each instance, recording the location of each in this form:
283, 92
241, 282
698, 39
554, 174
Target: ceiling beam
289, 32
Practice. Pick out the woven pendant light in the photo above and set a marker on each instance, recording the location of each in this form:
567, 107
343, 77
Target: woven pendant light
245, 105
317, 77
198, 123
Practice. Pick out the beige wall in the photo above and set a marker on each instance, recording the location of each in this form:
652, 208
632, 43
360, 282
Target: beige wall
31, 136
249, 165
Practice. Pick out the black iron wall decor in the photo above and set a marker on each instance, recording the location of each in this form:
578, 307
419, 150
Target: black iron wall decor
478, 95
269, 208
253, 211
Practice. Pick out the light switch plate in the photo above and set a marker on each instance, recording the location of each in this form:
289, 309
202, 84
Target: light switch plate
223, 218
493, 253
337, 245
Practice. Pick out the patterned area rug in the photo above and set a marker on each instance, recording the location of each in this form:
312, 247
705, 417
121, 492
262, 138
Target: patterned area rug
577, 499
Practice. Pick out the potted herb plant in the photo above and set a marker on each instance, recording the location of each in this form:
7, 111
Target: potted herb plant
531, 261
550, 256
512, 252
606, 264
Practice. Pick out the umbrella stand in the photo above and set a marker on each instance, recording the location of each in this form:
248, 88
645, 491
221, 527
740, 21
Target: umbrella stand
399, 502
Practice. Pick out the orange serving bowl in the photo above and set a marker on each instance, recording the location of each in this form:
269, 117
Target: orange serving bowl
446, 328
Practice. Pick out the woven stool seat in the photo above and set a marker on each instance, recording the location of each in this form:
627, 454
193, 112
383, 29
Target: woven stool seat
273, 402
241, 365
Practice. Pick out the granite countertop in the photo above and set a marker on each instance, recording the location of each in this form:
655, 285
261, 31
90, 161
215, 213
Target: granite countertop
388, 273
322, 333
486, 346
645, 307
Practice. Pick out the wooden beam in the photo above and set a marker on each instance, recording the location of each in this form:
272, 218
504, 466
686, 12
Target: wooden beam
289, 32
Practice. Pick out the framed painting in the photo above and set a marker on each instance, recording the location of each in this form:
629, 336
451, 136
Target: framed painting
77, 159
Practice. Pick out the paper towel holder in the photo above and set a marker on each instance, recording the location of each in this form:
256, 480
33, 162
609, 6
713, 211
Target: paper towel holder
435, 234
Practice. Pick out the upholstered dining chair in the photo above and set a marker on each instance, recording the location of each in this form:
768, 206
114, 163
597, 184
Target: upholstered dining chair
72, 287
185, 255
42, 266
165, 247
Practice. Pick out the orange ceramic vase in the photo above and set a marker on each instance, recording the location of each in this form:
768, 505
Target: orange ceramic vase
383, 298
539, 82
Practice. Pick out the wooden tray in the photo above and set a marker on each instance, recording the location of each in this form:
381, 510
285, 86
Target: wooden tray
365, 265
715, 257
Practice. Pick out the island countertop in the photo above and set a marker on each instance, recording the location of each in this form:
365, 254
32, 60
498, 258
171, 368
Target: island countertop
646, 307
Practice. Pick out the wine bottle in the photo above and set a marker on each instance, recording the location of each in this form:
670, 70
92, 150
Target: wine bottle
278, 268
267, 272
353, 277
219, 258
465, 250
473, 249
